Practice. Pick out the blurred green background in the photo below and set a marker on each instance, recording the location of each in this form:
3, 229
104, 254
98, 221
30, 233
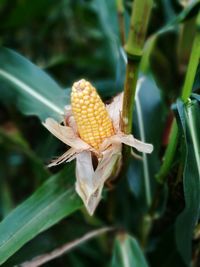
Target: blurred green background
74, 39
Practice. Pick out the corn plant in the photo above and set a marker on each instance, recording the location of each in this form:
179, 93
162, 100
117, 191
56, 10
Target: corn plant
100, 151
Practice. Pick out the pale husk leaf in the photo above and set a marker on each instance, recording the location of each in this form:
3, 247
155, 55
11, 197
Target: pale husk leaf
69, 119
115, 109
129, 140
68, 156
65, 134
90, 183
84, 175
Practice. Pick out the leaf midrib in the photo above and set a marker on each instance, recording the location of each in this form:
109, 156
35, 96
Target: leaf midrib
25, 87
28, 224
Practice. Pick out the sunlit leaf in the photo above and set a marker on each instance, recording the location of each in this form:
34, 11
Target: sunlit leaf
35, 92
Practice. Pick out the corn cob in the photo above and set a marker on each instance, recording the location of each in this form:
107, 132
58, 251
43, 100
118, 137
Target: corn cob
92, 119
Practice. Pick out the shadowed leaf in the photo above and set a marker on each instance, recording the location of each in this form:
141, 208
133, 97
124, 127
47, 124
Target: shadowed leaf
189, 122
54, 200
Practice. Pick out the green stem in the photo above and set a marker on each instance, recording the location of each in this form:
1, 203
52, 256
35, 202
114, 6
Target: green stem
141, 10
193, 64
169, 153
185, 42
120, 11
129, 94
186, 91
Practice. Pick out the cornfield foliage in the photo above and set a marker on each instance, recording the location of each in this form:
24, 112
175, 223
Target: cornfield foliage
149, 214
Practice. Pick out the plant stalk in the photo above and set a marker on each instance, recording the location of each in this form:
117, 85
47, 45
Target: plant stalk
120, 12
186, 91
129, 94
141, 10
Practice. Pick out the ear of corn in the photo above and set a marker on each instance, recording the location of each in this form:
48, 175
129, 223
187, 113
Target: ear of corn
91, 116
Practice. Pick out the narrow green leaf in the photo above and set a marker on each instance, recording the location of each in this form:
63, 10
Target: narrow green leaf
6, 202
189, 121
54, 200
36, 93
196, 84
107, 14
187, 13
148, 105
127, 253
150, 48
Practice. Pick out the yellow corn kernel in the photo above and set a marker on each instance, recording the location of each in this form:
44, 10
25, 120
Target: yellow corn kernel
91, 116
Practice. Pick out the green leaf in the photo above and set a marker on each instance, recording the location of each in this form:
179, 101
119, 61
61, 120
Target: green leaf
53, 201
148, 105
22, 13
127, 252
165, 242
107, 13
14, 140
196, 85
189, 122
190, 11
161, 48
187, 13
6, 202
35, 92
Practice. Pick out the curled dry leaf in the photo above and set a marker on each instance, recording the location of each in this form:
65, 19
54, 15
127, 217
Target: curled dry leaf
92, 129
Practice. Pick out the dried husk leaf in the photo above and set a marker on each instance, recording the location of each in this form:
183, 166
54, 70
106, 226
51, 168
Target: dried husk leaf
90, 183
114, 110
84, 175
68, 156
69, 119
128, 140
65, 134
